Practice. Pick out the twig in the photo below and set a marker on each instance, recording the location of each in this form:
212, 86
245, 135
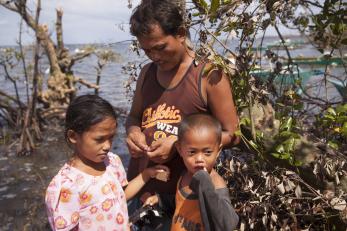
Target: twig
86, 83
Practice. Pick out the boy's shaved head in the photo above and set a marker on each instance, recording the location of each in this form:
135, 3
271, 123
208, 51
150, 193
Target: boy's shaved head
200, 121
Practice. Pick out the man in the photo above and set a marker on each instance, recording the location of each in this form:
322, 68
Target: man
173, 86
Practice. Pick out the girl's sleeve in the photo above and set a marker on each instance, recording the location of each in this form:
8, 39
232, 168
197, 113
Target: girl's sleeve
119, 170
62, 203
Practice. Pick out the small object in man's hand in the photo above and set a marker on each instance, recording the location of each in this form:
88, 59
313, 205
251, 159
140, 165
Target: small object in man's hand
162, 175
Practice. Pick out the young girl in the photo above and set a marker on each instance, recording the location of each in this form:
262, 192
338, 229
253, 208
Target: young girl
87, 193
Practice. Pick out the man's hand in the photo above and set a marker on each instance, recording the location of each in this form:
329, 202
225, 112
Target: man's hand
152, 200
136, 142
162, 149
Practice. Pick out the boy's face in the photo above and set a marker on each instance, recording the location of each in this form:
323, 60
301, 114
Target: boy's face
199, 149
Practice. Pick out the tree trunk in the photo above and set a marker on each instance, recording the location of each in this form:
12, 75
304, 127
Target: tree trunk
58, 90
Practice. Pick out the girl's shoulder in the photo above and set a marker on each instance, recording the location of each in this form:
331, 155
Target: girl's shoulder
63, 183
114, 160
64, 178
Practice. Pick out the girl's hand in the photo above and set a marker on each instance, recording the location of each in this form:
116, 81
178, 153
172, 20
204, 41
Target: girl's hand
160, 172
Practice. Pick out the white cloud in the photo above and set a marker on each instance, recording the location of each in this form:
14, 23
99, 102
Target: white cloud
83, 20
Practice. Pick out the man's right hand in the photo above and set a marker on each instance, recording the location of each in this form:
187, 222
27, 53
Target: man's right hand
136, 142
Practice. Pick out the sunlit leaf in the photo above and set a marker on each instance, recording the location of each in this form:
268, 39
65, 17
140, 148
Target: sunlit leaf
338, 204
298, 191
214, 6
281, 188
287, 125
333, 145
331, 111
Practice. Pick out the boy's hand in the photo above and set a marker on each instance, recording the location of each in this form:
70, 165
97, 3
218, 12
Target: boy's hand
160, 172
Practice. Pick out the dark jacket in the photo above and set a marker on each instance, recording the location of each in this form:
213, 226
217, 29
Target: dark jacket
216, 211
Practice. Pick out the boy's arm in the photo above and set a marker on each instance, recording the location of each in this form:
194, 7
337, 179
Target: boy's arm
212, 202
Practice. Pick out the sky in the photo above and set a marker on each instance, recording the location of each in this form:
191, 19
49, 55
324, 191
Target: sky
84, 21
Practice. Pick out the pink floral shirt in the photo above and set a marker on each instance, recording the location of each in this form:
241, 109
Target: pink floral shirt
79, 201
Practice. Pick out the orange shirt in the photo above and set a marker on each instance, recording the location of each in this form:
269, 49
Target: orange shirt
187, 215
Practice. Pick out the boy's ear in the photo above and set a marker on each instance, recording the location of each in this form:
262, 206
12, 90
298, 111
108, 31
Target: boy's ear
71, 136
178, 147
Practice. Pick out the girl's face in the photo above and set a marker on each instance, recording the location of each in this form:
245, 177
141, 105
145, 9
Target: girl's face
164, 50
96, 142
199, 149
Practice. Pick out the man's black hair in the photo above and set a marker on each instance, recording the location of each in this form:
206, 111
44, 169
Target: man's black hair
164, 13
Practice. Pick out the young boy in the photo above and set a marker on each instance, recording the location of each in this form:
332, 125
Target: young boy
202, 197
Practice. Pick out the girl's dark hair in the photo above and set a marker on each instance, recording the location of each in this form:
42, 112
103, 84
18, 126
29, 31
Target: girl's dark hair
198, 121
164, 13
85, 111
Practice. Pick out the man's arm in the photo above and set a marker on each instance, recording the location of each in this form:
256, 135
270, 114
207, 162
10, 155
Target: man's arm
136, 140
217, 92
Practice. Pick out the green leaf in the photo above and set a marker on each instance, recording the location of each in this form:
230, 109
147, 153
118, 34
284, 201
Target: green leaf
245, 121
214, 6
331, 111
254, 145
287, 134
341, 108
329, 117
280, 149
202, 4
282, 156
297, 163
333, 145
289, 144
287, 125
344, 129
238, 133
341, 119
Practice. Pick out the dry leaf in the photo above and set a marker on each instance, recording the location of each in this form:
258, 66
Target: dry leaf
338, 204
298, 192
281, 188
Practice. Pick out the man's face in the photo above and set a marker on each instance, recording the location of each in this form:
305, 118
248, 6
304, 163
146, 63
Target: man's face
164, 50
